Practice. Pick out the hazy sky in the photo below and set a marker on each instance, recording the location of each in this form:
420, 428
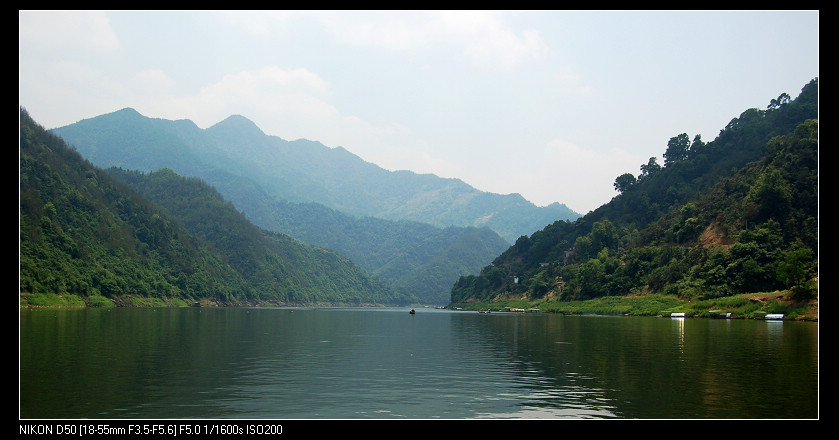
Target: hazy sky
553, 105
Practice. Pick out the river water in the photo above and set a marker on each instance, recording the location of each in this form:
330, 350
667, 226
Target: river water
384, 363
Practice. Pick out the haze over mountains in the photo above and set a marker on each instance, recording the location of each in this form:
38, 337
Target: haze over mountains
299, 171
419, 233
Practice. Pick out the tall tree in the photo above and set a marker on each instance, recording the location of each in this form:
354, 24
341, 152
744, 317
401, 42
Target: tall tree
624, 181
677, 149
650, 168
782, 100
697, 143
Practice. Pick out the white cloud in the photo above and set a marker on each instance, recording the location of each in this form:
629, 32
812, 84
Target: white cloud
256, 23
483, 37
56, 31
488, 40
387, 30
289, 98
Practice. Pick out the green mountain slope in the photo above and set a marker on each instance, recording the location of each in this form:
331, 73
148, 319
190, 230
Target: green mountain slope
415, 257
409, 255
87, 236
738, 214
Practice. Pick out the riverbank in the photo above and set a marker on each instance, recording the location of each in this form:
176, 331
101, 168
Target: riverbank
52, 300
745, 306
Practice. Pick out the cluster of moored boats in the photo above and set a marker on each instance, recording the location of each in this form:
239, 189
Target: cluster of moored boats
723, 315
717, 314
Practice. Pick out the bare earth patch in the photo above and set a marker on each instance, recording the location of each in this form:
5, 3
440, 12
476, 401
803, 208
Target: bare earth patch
813, 304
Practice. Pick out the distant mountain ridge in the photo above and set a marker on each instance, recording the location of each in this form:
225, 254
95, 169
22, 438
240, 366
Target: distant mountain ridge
302, 171
410, 256
413, 257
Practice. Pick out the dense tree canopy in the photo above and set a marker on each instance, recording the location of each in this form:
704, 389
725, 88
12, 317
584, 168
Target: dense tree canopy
735, 215
87, 235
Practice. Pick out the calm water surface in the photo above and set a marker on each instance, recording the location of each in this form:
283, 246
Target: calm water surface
346, 363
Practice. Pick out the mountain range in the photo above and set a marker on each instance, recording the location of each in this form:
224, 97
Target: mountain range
88, 238
235, 154
176, 214
416, 232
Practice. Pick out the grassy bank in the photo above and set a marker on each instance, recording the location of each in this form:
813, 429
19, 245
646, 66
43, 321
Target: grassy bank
70, 300
47, 300
747, 306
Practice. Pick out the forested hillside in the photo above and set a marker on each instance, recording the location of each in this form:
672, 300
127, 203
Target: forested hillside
738, 214
87, 238
256, 173
415, 257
